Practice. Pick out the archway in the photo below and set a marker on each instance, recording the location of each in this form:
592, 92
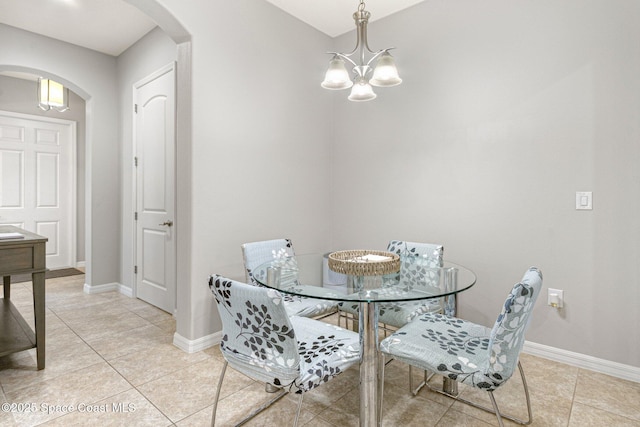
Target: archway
93, 83
172, 27
17, 96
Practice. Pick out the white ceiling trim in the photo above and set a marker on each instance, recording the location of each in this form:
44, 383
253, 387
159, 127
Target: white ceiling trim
107, 26
112, 26
334, 17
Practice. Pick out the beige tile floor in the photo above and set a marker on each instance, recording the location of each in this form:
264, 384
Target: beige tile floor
110, 361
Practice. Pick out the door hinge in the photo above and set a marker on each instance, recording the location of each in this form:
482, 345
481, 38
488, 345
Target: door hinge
135, 216
135, 108
135, 161
135, 269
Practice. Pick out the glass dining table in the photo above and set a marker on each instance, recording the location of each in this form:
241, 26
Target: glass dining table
309, 276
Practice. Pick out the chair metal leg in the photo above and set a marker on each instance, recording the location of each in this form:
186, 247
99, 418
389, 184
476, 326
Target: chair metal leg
262, 408
215, 402
252, 414
381, 387
494, 409
526, 394
427, 377
295, 422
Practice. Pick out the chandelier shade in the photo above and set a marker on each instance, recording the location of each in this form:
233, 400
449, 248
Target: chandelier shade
337, 76
52, 95
361, 91
385, 73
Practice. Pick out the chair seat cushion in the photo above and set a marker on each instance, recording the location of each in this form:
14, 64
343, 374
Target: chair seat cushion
397, 314
467, 352
325, 351
307, 307
449, 346
263, 342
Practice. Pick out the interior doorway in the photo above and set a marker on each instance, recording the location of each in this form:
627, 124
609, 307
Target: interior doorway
155, 145
37, 181
105, 240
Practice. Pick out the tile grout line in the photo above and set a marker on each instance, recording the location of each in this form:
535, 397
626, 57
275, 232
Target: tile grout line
60, 307
133, 387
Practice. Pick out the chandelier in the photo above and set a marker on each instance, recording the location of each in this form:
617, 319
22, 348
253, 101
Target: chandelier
385, 73
52, 95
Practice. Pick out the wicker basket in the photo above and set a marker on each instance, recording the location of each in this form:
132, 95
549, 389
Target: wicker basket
362, 262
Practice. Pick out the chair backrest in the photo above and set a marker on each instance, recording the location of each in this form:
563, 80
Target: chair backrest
258, 338
258, 253
430, 252
507, 336
416, 261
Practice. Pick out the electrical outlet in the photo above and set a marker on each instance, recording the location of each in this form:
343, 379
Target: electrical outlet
555, 298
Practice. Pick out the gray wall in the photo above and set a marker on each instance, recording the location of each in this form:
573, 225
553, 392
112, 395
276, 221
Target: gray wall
19, 96
261, 146
149, 54
506, 110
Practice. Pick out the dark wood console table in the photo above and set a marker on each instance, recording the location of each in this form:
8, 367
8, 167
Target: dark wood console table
19, 256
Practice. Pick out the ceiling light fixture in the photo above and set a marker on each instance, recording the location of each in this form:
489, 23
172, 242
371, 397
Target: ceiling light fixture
52, 95
385, 73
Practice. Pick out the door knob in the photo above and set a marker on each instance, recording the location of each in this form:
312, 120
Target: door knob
168, 223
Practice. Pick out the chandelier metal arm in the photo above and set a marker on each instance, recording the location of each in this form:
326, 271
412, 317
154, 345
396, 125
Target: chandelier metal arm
361, 68
348, 55
378, 53
361, 18
344, 56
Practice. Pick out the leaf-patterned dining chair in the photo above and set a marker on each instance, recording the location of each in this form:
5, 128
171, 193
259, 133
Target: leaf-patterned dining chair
417, 262
417, 259
255, 254
294, 354
470, 353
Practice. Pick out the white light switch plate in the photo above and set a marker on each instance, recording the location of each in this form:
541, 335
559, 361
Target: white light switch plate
584, 200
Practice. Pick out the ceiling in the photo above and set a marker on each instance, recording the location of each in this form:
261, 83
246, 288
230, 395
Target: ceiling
108, 26
334, 17
111, 26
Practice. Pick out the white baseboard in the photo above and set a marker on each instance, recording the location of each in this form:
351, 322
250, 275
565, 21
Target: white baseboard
108, 287
80, 264
193, 346
98, 289
126, 291
615, 369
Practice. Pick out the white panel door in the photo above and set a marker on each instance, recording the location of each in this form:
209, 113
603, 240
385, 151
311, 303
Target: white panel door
37, 181
154, 134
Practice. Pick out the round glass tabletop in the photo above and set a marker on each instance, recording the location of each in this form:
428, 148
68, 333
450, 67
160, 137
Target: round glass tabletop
309, 276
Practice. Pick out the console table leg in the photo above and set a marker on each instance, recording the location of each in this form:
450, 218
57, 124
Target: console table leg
39, 314
7, 287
